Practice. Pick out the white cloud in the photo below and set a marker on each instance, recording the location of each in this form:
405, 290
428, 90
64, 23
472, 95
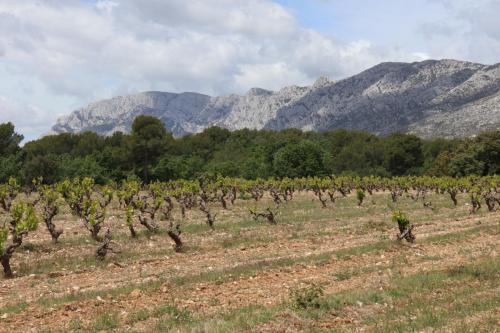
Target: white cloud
59, 54
27, 118
471, 30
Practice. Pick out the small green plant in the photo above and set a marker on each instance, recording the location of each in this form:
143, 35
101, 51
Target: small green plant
170, 316
475, 200
360, 195
87, 202
404, 225
309, 297
343, 275
104, 322
22, 220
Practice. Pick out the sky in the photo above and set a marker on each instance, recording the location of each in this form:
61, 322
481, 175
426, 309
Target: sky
59, 55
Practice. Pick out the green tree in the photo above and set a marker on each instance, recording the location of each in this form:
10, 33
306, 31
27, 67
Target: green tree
178, 167
10, 166
87, 143
149, 141
51, 144
81, 167
464, 161
488, 151
441, 165
41, 166
299, 160
403, 154
9, 139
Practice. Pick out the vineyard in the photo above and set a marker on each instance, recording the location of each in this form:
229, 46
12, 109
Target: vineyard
226, 254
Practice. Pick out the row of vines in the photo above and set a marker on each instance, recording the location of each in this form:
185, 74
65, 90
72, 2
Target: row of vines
151, 206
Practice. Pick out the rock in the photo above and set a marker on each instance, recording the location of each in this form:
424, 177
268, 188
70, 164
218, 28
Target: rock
135, 293
70, 307
55, 274
447, 98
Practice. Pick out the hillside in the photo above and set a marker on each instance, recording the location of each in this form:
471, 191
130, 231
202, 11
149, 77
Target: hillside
434, 98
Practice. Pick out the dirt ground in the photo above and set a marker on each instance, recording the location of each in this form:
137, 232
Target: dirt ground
240, 276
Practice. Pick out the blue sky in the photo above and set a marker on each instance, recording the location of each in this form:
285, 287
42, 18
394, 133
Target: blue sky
383, 22
59, 55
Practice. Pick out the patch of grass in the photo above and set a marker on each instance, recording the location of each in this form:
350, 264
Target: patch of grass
245, 319
434, 298
245, 240
480, 271
171, 316
46, 266
14, 308
32, 247
344, 275
105, 322
358, 250
422, 297
486, 325
459, 235
426, 311
76, 325
376, 226
141, 315
230, 274
432, 257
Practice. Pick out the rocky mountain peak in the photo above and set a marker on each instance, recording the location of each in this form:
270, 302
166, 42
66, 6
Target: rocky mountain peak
322, 82
447, 98
259, 92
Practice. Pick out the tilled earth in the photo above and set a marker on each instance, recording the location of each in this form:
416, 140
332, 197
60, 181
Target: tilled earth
245, 267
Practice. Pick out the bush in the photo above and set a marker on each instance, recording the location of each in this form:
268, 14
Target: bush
360, 195
404, 225
308, 297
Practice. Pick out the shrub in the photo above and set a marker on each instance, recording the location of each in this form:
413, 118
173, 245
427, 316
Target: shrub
360, 195
404, 225
308, 297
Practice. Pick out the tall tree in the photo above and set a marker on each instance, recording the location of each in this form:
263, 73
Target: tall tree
300, 159
403, 154
9, 139
150, 140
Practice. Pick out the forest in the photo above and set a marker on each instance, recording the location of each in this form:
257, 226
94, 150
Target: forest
151, 153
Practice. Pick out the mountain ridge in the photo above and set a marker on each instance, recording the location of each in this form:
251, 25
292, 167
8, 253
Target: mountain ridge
432, 98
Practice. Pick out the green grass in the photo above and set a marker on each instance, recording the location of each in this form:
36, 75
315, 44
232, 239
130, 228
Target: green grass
462, 235
14, 308
105, 322
347, 253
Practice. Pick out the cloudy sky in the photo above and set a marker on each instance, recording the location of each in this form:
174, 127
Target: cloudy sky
59, 55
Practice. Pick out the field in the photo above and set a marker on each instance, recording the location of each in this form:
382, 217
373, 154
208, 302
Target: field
334, 269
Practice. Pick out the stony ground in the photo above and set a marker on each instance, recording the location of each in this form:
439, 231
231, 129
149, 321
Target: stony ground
247, 276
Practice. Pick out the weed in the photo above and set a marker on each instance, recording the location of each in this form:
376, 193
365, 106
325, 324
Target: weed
307, 297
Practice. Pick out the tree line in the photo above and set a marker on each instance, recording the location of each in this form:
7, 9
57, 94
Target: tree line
151, 153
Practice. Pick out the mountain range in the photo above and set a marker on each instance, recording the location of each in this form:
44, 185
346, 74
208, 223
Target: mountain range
433, 98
